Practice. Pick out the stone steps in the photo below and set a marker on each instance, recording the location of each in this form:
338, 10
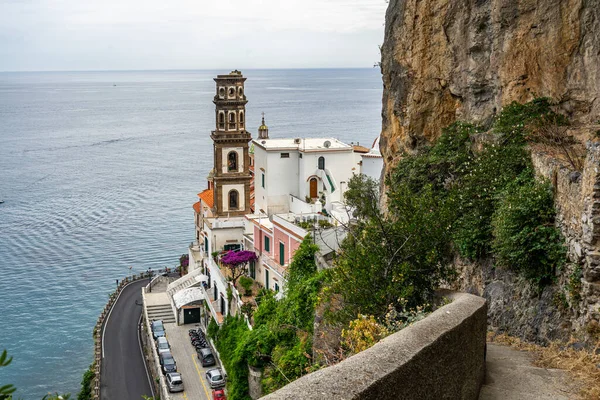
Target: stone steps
163, 312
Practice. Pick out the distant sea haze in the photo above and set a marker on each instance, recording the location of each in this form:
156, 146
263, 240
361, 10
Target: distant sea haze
98, 173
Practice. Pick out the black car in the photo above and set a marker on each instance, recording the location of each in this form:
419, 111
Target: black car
167, 362
206, 357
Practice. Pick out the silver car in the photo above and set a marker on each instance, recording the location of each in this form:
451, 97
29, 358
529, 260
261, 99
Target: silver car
174, 382
162, 344
215, 378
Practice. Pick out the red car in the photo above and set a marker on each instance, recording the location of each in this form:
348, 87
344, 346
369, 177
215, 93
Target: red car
219, 394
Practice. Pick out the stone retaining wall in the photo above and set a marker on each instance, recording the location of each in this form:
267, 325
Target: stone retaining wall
439, 357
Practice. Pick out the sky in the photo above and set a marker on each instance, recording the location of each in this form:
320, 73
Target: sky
72, 35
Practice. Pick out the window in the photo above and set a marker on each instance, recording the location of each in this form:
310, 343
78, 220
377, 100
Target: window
321, 162
241, 118
231, 92
231, 120
222, 92
232, 161
281, 253
276, 288
221, 120
240, 91
300, 155
285, 155
267, 244
267, 278
206, 245
233, 199
263, 180
253, 269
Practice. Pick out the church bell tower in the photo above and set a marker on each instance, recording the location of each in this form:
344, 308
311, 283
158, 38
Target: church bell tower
230, 144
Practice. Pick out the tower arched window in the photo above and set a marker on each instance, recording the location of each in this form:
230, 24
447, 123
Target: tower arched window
232, 161
321, 162
231, 120
240, 92
233, 199
241, 119
221, 121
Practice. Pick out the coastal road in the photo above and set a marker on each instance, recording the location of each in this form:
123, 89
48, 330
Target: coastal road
123, 375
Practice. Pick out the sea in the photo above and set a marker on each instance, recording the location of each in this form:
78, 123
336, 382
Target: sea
98, 174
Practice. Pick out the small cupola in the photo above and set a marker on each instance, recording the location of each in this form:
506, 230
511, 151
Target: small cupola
263, 129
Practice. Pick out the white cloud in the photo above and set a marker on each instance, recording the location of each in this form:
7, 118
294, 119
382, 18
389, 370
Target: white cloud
110, 33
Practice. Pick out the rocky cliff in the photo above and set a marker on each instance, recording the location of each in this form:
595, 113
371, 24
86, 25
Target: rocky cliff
447, 60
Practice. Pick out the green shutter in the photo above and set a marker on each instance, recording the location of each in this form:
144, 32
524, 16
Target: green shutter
281, 253
267, 247
263, 179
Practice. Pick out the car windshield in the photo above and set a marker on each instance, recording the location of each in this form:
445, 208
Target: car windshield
176, 381
169, 360
163, 345
157, 325
217, 377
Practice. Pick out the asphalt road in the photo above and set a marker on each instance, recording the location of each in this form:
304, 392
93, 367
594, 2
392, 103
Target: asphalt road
123, 375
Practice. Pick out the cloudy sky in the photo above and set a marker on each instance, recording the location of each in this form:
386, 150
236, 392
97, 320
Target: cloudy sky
46, 35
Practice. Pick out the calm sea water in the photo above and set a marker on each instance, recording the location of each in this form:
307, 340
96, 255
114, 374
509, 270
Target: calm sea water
99, 171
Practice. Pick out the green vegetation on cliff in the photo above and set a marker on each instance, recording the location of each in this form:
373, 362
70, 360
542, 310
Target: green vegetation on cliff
280, 342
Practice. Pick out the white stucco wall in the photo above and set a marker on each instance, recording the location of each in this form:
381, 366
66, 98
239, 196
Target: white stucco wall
372, 166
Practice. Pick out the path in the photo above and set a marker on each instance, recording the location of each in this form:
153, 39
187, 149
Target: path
123, 370
510, 375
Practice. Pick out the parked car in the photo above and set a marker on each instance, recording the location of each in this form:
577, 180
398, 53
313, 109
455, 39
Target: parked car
215, 378
219, 394
162, 344
174, 382
158, 329
206, 357
167, 362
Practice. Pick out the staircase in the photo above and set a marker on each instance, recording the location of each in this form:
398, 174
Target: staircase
163, 312
184, 282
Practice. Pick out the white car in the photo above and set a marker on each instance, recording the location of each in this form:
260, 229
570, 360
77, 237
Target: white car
215, 378
162, 344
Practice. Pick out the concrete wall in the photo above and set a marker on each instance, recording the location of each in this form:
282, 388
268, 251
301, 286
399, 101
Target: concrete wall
440, 357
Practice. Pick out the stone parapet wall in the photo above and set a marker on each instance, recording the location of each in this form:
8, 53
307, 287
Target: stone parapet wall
439, 357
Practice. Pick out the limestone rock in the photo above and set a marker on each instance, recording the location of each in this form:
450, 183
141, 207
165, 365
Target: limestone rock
445, 60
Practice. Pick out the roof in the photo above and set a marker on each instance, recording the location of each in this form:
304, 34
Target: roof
197, 207
302, 144
360, 149
207, 196
187, 296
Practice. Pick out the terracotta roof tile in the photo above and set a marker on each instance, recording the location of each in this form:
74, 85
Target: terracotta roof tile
197, 207
207, 197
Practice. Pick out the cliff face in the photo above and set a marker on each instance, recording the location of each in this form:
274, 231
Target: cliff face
447, 60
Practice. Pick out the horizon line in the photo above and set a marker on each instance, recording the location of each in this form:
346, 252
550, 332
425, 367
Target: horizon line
179, 69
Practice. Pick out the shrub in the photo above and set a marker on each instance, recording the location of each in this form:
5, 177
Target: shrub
86, 384
525, 238
246, 283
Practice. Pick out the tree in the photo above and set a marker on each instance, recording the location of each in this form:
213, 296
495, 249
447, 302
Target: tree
6, 391
237, 263
388, 259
